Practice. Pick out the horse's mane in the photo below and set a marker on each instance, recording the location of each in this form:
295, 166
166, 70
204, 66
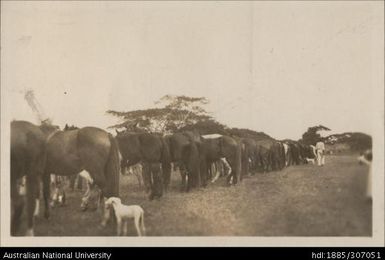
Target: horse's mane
72, 127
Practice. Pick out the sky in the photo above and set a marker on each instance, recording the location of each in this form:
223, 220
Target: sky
276, 67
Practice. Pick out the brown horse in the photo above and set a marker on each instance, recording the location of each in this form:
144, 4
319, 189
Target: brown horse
153, 152
185, 153
224, 147
249, 156
27, 159
87, 149
264, 147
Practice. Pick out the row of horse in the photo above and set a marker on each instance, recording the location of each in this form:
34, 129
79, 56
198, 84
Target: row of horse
195, 155
39, 151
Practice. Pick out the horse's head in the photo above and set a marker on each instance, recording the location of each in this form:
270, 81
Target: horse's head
112, 201
119, 133
48, 128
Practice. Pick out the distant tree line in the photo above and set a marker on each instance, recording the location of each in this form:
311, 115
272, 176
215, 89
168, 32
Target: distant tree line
172, 114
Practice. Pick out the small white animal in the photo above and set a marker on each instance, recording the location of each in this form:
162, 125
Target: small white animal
123, 213
308, 160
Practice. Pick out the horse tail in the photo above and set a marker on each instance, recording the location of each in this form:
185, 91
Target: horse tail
166, 163
112, 169
191, 161
239, 153
165, 152
245, 155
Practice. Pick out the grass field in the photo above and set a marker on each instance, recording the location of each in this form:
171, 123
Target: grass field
301, 200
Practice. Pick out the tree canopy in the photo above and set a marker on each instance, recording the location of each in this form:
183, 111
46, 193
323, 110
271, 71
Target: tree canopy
174, 113
179, 113
311, 136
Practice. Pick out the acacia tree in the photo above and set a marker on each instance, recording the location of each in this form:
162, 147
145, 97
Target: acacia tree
172, 114
311, 136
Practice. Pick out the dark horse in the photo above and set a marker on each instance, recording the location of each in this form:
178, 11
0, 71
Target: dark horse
87, 149
264, 148
249, 156
224, 147
27, 159
153, 152
186, 152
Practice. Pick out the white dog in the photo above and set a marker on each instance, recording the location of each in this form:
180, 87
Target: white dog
124, 213
310, 160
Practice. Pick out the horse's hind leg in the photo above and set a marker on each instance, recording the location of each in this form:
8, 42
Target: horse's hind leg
146, 176
166, 173
17, 205
32, 192
72, 182
229, 163
203, 169
46, 193
236, 164
183, 175
139, 177
157, 184
217, 171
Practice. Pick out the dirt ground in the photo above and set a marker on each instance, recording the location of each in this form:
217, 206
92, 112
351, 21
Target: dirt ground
303, 200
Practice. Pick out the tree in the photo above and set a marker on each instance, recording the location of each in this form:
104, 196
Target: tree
247, 133
311, 136
174, 113
207, 127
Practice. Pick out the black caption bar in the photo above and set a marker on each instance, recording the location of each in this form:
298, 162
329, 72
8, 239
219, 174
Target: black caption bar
114, 253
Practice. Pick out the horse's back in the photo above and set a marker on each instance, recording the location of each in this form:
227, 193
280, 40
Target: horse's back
230, 141
266, 144
25, 133
177, 143
27, 147
230, 146
62, 153
193, 136
151, 147
94, 145
212, 148
93, 136
71, 151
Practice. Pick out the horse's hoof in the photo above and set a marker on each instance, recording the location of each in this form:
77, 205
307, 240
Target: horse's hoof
46, 215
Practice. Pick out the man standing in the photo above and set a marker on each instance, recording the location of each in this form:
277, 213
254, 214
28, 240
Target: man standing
320, 148
367, 158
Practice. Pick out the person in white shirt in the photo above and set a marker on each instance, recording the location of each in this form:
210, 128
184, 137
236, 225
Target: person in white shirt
320, 150
366, 158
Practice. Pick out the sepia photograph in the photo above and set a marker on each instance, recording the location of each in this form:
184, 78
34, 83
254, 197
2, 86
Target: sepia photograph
242, 123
